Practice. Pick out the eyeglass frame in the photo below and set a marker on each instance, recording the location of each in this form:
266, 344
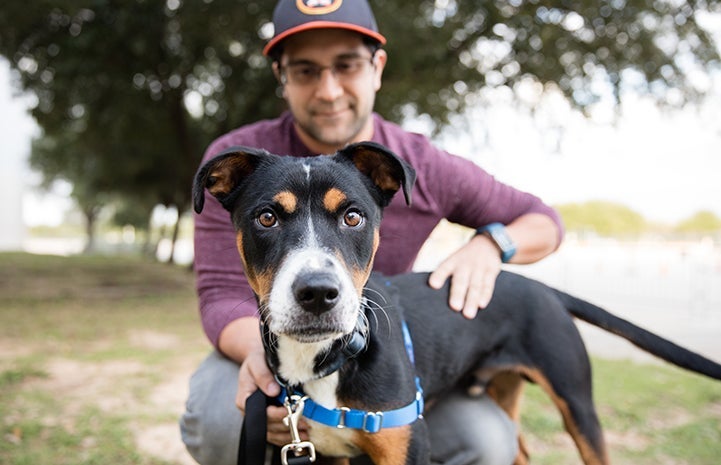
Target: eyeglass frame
318, 69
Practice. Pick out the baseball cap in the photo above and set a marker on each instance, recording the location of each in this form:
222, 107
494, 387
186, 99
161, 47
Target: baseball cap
293, 16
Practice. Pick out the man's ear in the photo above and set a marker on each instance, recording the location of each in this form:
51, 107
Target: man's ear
276, 72
386, 170
279, 78
223, 174
379, 60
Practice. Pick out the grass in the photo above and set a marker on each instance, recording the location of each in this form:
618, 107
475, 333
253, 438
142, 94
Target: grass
88, 347
650, 413
95, 353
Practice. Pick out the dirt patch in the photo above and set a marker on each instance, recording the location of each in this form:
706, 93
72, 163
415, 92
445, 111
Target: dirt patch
127, 387
163, 441
98, 383
154, 340
630, 440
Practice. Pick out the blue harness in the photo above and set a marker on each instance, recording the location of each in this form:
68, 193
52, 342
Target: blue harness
370, 422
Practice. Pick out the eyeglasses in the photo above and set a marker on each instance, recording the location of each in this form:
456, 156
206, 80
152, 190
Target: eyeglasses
306, 73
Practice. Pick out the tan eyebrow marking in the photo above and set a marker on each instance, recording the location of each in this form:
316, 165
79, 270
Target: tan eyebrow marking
287, 200
333, 199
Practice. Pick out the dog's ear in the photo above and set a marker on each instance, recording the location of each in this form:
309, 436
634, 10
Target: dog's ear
224, 173
388, 171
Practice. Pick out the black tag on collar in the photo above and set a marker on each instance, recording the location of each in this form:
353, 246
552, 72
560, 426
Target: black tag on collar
342, 350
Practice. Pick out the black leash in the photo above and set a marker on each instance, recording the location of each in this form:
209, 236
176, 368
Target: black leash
252, 447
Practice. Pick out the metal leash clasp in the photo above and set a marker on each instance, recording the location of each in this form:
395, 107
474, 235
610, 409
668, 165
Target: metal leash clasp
294, 404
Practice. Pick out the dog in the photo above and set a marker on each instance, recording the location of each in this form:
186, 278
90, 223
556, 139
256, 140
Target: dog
335, 333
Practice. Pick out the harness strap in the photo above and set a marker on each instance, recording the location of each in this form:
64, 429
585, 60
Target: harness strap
370, 422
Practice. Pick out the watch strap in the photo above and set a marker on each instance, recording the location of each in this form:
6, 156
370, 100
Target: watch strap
498, 234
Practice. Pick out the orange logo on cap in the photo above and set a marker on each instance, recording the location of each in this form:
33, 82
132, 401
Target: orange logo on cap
318, 7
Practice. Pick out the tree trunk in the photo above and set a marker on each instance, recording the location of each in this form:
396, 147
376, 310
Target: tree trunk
90, 217
174, 239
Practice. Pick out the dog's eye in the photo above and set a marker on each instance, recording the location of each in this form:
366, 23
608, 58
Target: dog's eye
353, 218
267, 219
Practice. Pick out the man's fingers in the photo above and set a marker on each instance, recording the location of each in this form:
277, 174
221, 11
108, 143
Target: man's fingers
254, 374
479, 294
459, 290
439, 276
278, 432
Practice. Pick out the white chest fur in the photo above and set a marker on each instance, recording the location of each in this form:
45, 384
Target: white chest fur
296, 366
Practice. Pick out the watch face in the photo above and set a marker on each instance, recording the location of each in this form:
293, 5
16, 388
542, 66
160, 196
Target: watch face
502, 239
497, 232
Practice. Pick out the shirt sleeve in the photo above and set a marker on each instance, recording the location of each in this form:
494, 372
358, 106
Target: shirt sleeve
223, 291
464, 193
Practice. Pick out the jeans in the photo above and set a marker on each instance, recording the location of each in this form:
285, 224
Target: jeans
463, 430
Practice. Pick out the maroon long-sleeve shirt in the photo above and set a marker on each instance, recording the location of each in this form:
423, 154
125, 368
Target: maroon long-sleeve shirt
447, 187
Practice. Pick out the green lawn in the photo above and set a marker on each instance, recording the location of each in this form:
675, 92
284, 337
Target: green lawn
95, 353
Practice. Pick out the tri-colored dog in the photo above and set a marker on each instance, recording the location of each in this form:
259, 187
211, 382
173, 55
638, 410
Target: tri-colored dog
307, 232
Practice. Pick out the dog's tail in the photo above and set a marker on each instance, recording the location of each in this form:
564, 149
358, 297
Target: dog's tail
640, 337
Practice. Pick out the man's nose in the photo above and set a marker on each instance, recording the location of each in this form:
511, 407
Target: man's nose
329, 86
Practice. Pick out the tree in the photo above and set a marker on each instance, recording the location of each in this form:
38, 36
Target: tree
130, 92
113, 80
452, 49
703, 222
604, 218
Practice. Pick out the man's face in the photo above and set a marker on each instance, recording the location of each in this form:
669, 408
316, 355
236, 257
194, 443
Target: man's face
329, 81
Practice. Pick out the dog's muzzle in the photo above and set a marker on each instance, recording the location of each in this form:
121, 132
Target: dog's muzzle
313, 297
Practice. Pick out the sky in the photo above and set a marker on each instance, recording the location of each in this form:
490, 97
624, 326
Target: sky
666, 165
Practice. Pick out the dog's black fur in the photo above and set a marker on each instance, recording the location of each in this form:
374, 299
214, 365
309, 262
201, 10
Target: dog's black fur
330, 208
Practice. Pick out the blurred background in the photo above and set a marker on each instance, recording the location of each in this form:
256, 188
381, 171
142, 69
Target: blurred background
607, 110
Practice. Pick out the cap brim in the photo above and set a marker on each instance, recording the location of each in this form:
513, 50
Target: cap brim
322, 25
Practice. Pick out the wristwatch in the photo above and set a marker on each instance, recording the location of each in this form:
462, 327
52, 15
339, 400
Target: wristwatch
498, 234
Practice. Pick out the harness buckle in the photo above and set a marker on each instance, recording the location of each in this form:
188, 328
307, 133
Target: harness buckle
341, 420
372, 422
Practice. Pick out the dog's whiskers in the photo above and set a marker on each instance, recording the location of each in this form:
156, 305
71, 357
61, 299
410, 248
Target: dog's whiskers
372, 307
378, 293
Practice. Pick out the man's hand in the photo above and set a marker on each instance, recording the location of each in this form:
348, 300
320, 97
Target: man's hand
473, 270
254, 374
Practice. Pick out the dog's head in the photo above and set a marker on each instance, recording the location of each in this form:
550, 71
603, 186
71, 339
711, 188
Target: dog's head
307, 229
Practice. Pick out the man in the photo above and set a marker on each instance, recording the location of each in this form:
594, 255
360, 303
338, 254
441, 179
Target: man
328, 61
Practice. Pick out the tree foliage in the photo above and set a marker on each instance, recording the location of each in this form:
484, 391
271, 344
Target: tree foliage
604, 218
704, 222
130, 92
452, 48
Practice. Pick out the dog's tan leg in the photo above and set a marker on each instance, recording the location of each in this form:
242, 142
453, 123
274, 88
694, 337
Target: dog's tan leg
589, 454
506, 388
387, 447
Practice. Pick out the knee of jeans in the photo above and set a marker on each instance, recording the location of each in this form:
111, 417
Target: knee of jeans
472, 432
499, 444
498, 447
209, 442
210, 426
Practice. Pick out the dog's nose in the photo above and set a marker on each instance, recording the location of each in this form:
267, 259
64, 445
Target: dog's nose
316, 292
